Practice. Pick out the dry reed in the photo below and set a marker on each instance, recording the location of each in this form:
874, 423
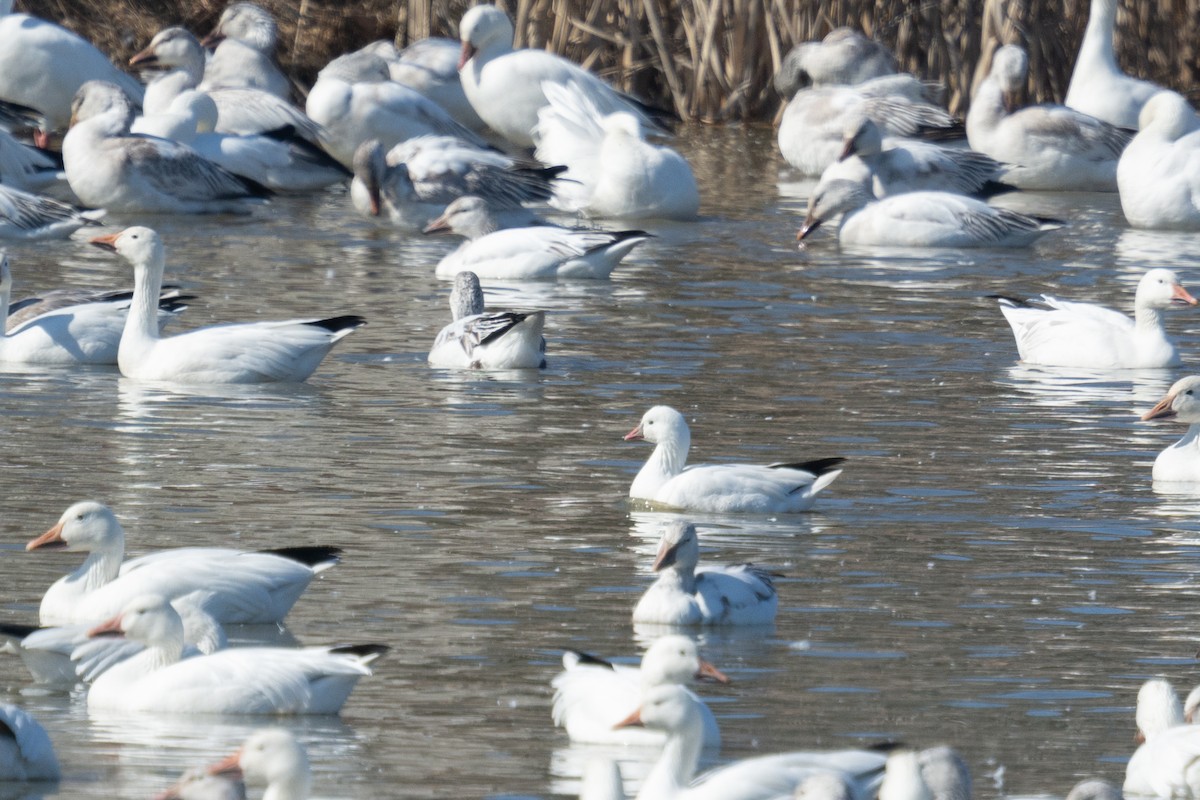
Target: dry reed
710, 60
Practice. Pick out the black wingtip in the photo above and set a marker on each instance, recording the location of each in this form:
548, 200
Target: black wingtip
817, 466
308, 555
362, 650
588, 658
15, 631
1015, 302
335, 324
622, 236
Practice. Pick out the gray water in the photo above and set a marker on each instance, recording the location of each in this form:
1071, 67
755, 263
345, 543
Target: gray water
994, 569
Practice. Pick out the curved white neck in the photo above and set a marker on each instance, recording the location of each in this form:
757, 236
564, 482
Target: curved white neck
664, 463
1096, 50
677, 763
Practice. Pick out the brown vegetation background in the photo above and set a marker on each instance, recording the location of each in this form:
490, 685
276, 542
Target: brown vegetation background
711, 60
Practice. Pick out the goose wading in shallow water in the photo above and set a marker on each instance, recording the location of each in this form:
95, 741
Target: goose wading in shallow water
493, 340
720, 488
247, 352
592, 695
918, 219
1181, 461
1063, 333
240, 680
238, 586
709, 595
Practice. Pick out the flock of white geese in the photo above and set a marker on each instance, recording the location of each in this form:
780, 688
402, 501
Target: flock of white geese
463, 138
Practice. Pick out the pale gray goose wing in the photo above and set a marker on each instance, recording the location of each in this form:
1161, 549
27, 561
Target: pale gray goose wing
177, 170
1062, 128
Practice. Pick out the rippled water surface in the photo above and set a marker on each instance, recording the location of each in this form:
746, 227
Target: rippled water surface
993, 570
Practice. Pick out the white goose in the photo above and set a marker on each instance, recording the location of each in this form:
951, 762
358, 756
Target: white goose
542, 252
592, 695
1181, 461
245, 38
711, 595
26, 752
1098, 87
918, 219
495, 340
32, 217
1046, 147
672, 710
42, 65
719, 488
1158, 708
1159, 172
272, 758
843, 58
412, 183
1167, 764
1062, 333
612, 171
248, 352
241, 680
430, 66
108, 166
235, 586
505, 86
902, 778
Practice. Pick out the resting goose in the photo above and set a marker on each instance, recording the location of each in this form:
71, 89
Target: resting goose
495, 340
1159, 172
592, 695
1063, 333
430, 66
843, 58
719, 488
542, 252
272, 758
235, 586
245, 39
240, 680
505, 86
248, 352
711, 595
1045, 147
1181, 461
612, 171
918, 219
1098, 87
32, 217
1165, 764
26, 752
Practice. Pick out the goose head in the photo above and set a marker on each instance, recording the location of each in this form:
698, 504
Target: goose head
669, 708
676, 659
467, 216
250, 24
370, 166
831, 198
862, 138
198, 106
170, 48
1169, 115
88, 526
466, 298
679, 548
270, 757
148, 619
1010, 68
1160, 288
1182, 403
661, 424
138, 245
96, 98
1158, 708
482, 28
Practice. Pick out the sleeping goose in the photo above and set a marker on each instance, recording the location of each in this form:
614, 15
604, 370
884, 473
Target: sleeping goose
1063, 333
592, 695
1045, 147
494, 340
843, 58
245, 39
1181, 461
710, 595
1159, 172
248, 352
1098, 87
719, 488
239, 680
236, 586
26, 752
430, 66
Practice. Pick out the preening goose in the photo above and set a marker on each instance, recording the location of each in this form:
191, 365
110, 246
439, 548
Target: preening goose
1159, 172
719, 488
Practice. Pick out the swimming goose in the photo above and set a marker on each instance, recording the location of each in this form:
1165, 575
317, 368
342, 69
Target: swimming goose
1165, 765
354, 99
711, 595
813, 128
918, 219
1181, 461
673, 711
542, 252
908, 165
237, 586
42, 66
244, 58
412, 183
32, 217
26, 752
1159, 172
505, 86
1098, 87
272, 758
612, 171
592, 695
1045, 147
719, 488
239, 680
479, 340
1063, 333
109, 167
72, 328
248, 352
843, 58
